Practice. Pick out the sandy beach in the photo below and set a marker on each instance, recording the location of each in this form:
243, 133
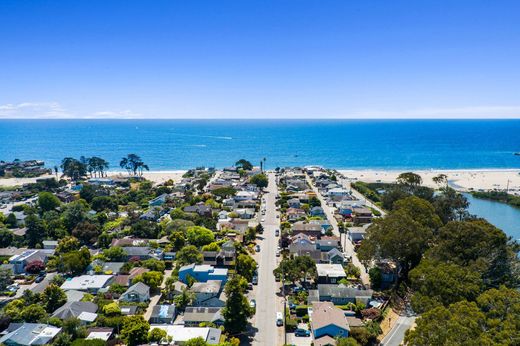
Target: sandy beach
458, 179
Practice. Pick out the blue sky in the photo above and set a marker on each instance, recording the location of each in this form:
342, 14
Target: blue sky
260, 59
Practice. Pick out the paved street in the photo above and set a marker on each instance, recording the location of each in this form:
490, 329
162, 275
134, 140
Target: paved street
155, 299
348, 247
267, 302
396, 336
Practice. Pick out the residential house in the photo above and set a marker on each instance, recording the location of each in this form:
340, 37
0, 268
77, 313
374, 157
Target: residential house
339, 294
310, 229
208, 294
361, 215
356, 234
138, 292
28, 334
294, 214
88, 283
200, 208
158, 201
20, 261
294, 203
330, 273
244, 195
50, 244
194, 316
326, 244
180, 334
220, 258
202, 273
101, 333
84, 311
328, 320
163, 314
317, 211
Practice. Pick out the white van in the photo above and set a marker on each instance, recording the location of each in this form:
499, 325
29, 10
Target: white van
279, 319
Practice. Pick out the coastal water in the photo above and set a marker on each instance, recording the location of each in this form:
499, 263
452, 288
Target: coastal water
502, 215
348, 144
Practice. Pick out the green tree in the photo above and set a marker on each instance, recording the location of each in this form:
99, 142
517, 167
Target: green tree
86, 232
36, 230
156, 335
259, 180
101, 203
67, 244
74, 262
74, 214
47, 201
481, 246
5, 278
73, 168
199, 236
115, 253
33, 313
397, 237
237, 309
145, 229
6, 238
135, 330
245, 266
151, 278
224, 192
133, 164
196, 342
154, 264
451, 205
211, 247
184, 299
438, 283
177, 240
189, 254
244, 164
409, 178
419, 210
11, 221
112, 309
53, 297
347, 342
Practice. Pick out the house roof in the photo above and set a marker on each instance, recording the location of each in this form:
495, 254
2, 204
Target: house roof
139, 288
341, 291
325, 313
86, 282
325, 341
30, 334
163, 311
210, 286
203, 314
330, 270
74, 309
181, 334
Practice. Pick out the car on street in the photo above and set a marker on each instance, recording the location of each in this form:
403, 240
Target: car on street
249, 286
277, 253
263, 220
277, 232
252, 303
302, 332
279, 319
255, 280
257, 248
39, 279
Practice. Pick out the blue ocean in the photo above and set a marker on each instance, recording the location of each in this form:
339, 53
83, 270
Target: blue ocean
347, 144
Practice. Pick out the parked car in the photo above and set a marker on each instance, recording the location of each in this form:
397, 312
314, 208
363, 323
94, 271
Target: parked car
263, 220
39, 279
249, 286
255, 280
279, 319
277, 232
277, 253
257, 248
302, 332
252, 303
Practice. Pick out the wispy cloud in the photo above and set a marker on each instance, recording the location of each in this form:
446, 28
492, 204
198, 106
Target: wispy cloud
480, 112
34, 110
125, 114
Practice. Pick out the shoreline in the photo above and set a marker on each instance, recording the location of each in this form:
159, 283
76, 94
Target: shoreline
461, 179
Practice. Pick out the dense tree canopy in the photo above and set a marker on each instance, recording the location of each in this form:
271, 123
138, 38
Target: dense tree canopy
237, 309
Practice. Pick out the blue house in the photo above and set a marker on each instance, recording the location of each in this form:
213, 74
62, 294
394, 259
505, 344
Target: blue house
202, 273
328, 321
317, 211
158, 201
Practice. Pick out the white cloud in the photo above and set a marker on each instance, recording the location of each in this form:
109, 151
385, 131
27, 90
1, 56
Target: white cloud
34, 110
478, 112
125, 114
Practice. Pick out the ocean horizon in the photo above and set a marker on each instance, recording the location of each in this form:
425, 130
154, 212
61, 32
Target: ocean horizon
180, 144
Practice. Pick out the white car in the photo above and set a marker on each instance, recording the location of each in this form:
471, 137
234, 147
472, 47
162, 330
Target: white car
252, 303
263, 220
277, 253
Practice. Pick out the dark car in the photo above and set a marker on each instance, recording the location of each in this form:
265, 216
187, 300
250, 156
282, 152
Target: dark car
302, 332
39, 279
